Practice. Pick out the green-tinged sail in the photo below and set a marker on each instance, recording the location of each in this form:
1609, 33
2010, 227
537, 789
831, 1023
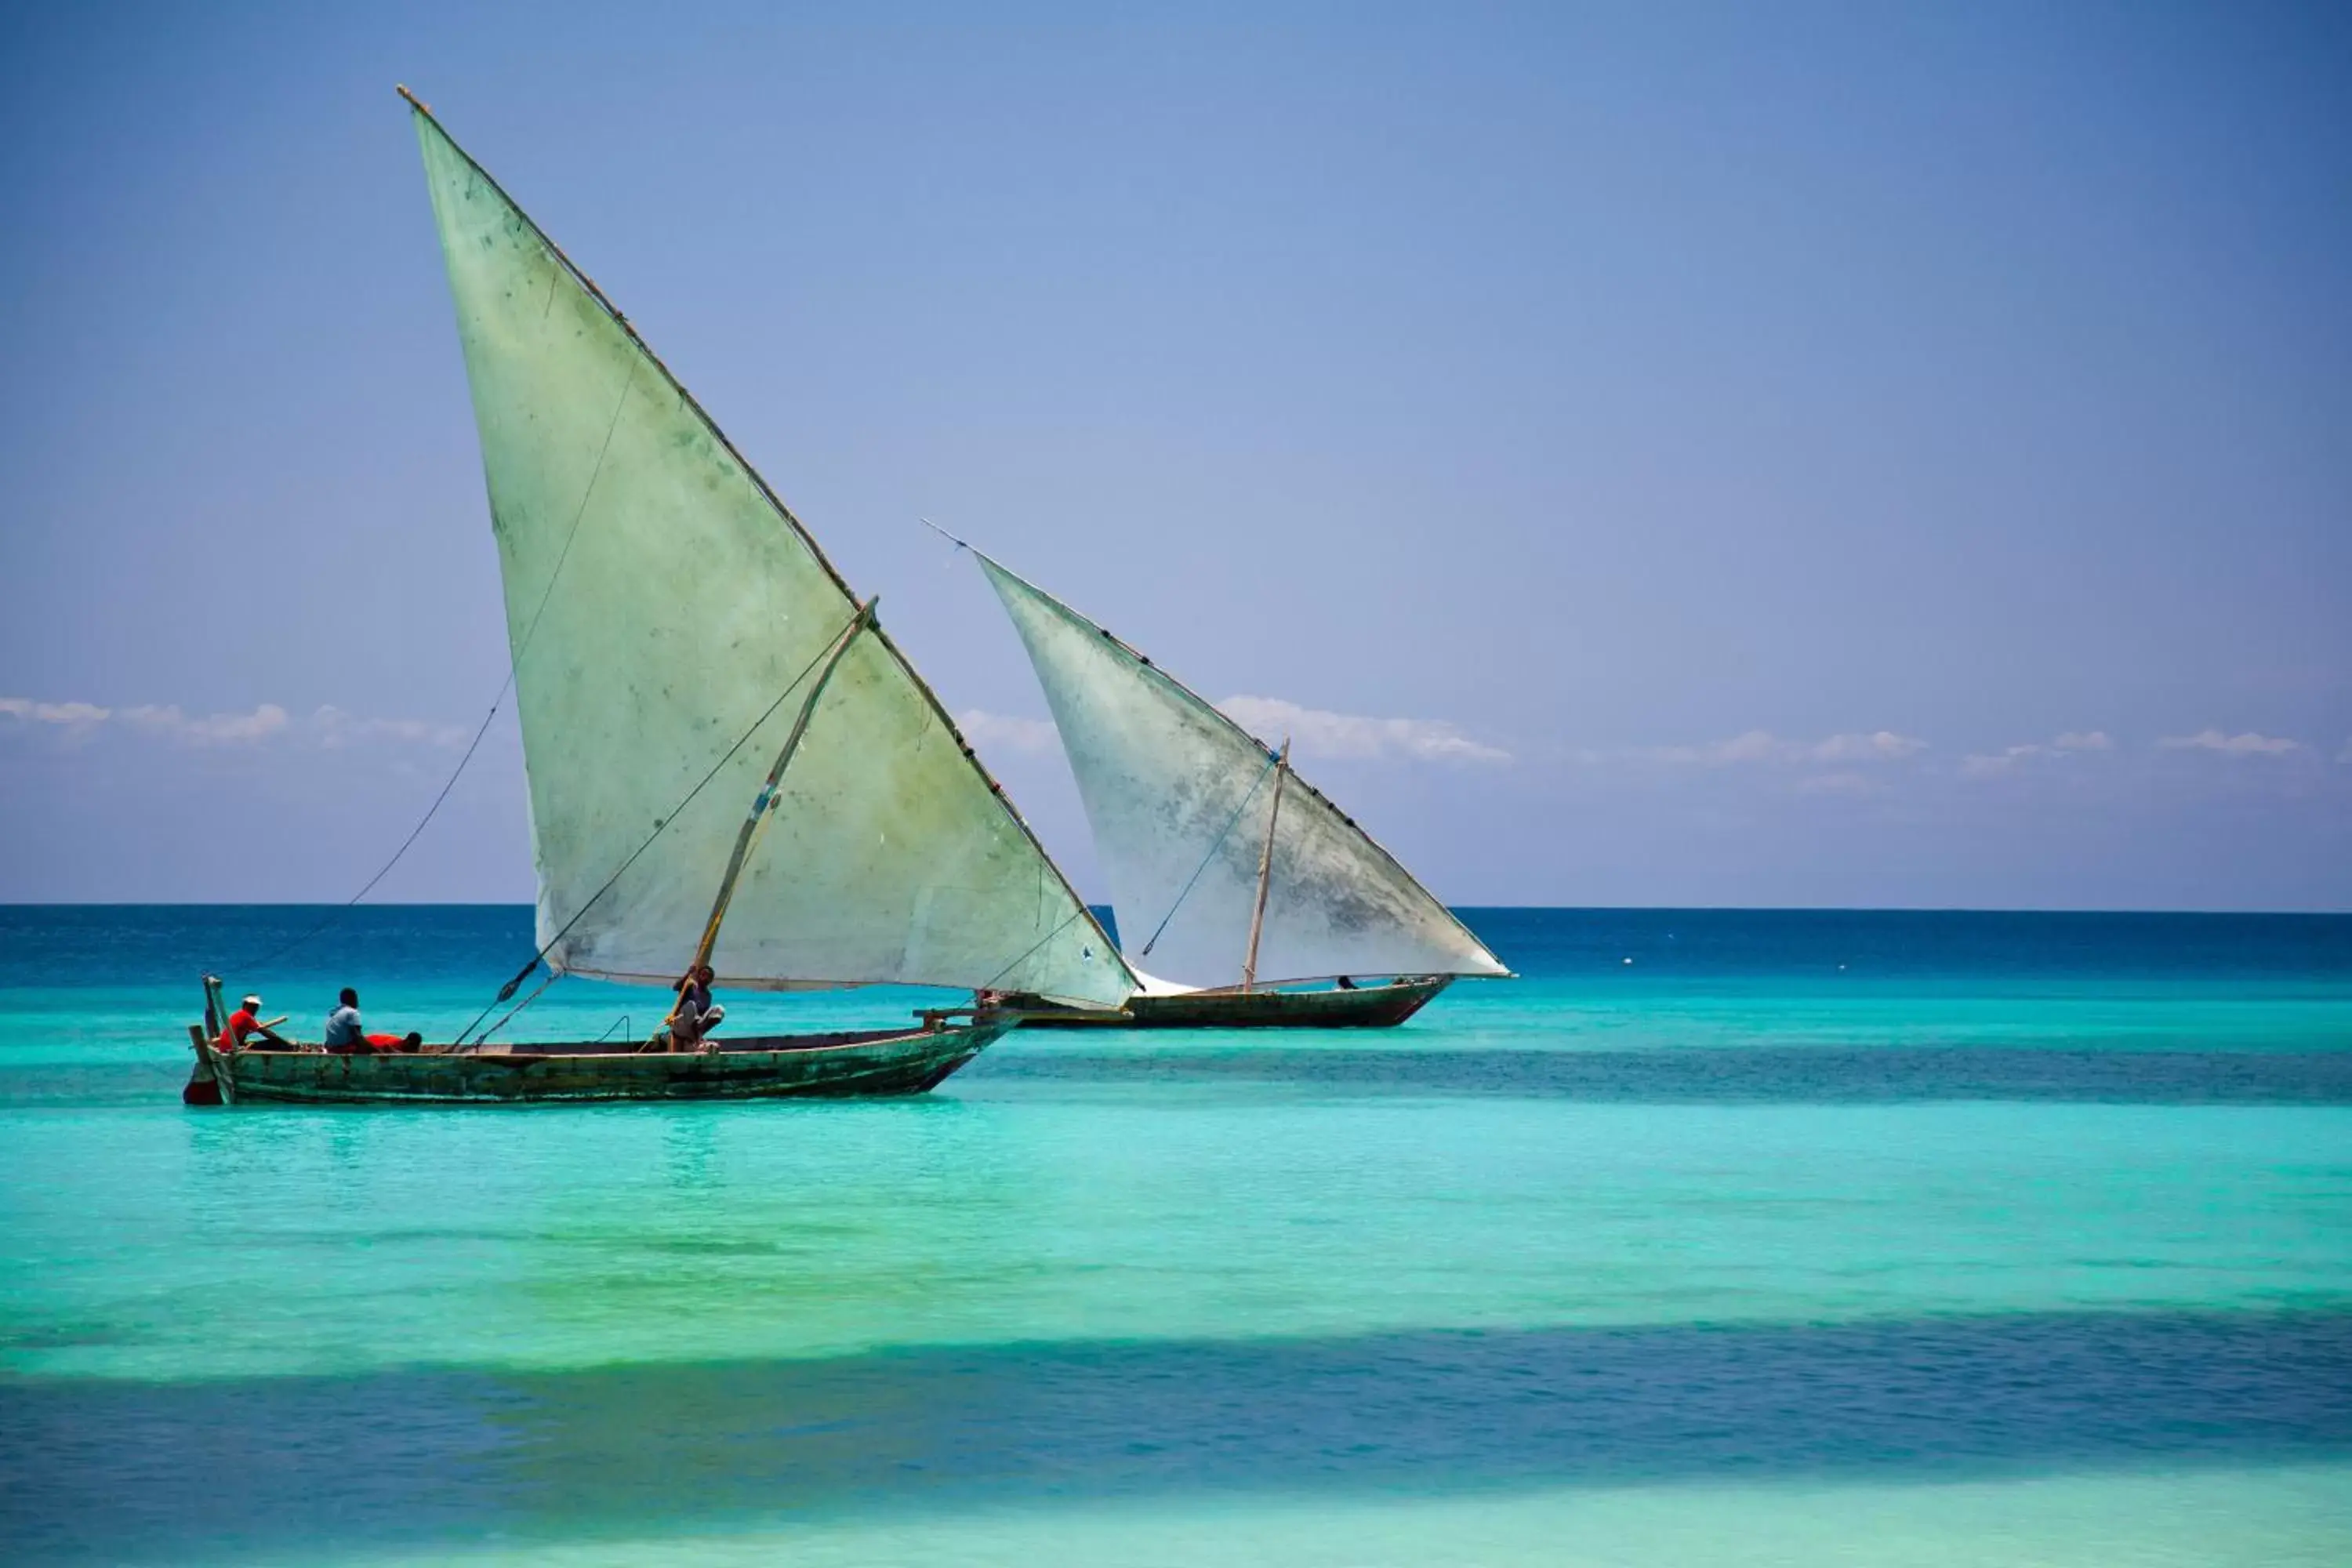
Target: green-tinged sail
660, 601
1182, 804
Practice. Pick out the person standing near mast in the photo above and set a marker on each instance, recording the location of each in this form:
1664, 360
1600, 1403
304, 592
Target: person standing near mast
692, 1021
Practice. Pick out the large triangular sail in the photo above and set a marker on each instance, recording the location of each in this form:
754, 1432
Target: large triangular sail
663, 607
1181, 799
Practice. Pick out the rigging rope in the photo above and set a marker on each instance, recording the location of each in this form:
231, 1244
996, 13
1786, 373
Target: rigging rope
661, 826
513, 666
1146, 951
518, 1007
332, 916
1216, 844
1068, 921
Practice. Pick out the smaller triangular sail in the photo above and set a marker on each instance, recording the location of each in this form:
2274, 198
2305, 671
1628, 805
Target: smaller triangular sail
1181, 799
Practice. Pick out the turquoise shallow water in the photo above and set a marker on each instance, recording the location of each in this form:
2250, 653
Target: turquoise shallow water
1885, 1237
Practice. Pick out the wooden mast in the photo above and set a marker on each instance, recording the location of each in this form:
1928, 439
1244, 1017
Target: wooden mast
1265, 867
765, 801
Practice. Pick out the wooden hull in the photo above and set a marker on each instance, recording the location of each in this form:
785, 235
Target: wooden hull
873, 1063
1366, 1007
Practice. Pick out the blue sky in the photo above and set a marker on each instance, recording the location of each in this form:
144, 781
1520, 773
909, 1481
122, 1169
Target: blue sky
1813, 454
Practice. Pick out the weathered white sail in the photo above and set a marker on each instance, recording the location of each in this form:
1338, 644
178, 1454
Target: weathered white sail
660, 602
1180, 798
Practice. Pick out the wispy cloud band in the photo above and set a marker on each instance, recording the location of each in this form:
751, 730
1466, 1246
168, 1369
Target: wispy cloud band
327, 726
2247, 744
1315, 733
1318, 732
1984, 764
1763, 746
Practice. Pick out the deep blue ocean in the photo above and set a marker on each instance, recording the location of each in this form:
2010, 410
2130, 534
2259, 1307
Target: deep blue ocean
1718, 1237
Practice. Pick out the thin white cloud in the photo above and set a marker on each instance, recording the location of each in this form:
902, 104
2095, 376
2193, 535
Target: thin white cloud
1755, 746
1763, 746
71, 715
207, 729
1986, 765
330, 726
2248, 745
1878, 746
1006, 733
1318, 733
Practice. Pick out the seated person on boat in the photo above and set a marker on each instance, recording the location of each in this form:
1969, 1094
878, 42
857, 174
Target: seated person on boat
347, 1036
245, 1024
690, 1022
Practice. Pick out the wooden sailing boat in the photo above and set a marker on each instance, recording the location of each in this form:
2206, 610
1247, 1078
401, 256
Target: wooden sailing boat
728, 758
1221, 859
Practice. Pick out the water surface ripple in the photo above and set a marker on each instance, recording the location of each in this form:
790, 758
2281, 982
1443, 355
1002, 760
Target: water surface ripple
1814, 1075
111, 1470
1721, 1236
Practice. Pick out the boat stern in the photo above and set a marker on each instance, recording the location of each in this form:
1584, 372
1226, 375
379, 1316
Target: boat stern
208, 1085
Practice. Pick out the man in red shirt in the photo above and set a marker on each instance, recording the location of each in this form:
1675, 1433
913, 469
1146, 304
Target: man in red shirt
245, 1022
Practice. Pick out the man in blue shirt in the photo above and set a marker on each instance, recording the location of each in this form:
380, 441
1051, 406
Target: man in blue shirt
345, 1035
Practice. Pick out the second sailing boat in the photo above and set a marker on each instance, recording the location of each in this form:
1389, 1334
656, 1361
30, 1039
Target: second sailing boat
1245, 897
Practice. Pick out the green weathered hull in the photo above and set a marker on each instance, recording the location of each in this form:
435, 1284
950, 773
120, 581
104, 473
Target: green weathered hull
1364, 1007
874, 1063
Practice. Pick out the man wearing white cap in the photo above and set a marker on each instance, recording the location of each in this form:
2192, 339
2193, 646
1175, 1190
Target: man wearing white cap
245, 1022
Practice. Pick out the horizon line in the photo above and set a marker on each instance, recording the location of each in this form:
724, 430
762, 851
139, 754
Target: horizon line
1092, 904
